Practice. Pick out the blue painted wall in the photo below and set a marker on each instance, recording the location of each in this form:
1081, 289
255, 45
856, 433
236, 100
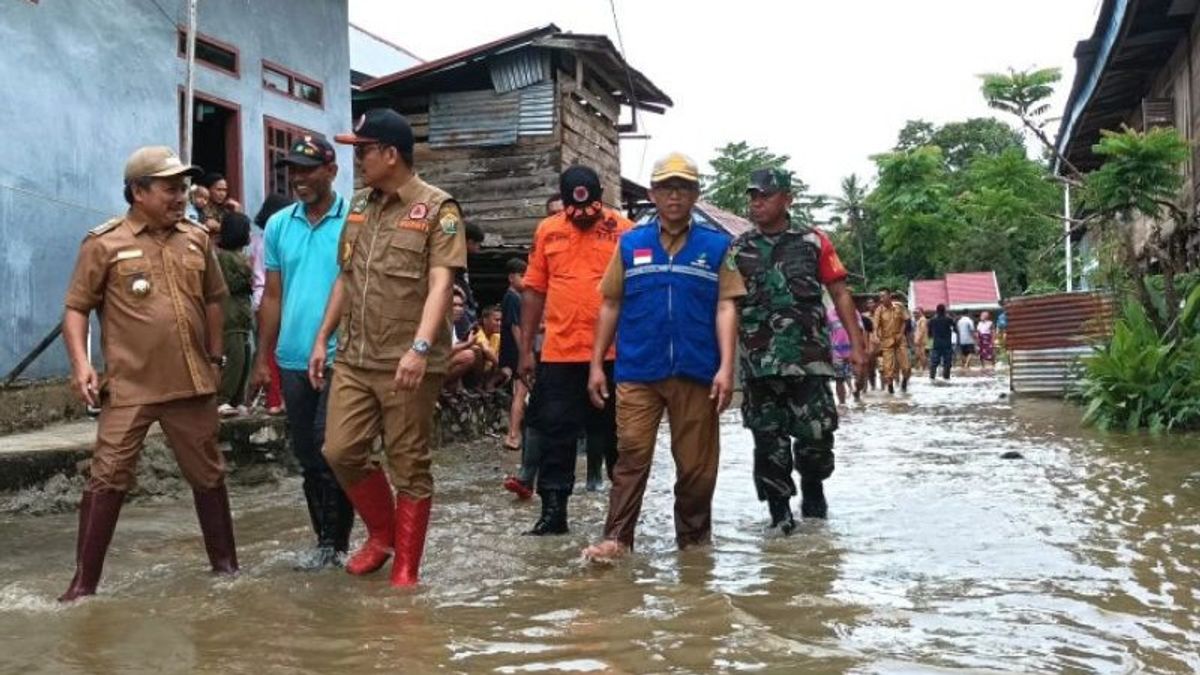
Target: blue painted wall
84, 83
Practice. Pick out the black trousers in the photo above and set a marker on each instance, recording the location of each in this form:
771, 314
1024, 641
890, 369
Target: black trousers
330, 510
943, 356
559, 412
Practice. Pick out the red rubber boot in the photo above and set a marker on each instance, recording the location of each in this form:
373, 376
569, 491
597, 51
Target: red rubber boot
372, 499
412, 522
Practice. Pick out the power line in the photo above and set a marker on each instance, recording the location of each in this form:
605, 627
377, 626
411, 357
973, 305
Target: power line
174, 20
633, 107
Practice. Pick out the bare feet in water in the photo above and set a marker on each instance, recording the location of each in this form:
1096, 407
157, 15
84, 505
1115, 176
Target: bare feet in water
606, 551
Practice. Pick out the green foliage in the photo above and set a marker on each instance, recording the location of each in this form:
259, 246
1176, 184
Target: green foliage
726, 186
1140, 172
915, 216
1020, 92
962, 142
1140, 379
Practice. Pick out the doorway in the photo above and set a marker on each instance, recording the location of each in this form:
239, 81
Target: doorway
216, 138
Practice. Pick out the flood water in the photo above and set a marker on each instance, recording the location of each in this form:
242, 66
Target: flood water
938, 556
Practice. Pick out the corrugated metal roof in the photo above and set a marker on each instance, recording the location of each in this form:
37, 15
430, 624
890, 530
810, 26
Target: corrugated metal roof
519, 69
599, 50
928, 294
971, 290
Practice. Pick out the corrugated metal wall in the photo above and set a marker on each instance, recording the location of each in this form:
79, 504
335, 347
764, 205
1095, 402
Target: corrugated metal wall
486, 118
1047, 334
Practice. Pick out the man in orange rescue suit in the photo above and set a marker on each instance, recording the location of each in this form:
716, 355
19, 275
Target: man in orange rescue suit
401, 245
152, 278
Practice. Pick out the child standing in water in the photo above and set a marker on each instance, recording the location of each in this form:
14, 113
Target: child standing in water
840, 348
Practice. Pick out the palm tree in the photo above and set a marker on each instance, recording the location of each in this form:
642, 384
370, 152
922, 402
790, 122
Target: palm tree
851, 206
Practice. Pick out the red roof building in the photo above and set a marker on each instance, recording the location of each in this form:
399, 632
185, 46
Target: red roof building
969, 291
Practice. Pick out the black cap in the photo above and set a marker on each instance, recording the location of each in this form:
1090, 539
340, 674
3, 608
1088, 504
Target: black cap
579, 185
380, 125
308, 150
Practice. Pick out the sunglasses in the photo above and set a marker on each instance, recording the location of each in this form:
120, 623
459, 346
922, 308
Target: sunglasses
361, 150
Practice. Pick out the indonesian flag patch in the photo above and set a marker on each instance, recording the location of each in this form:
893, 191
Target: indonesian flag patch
642, 256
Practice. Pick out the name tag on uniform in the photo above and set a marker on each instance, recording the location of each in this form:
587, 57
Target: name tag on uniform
642, 256
129, 253
415, 225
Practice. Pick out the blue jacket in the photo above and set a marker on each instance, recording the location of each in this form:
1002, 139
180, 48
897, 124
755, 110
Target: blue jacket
667, 326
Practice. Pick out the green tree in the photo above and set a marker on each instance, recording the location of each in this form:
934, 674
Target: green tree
1025, 95
1007, 209
851, 209
961, 142
916, 219
1140, 178
726, 186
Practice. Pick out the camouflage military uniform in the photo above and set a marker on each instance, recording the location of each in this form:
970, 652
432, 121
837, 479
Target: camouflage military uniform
785, 356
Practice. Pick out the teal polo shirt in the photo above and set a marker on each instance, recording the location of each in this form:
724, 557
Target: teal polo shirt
306, 257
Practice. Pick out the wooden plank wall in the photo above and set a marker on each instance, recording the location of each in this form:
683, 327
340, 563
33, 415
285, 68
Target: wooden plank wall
504, 189
591, 139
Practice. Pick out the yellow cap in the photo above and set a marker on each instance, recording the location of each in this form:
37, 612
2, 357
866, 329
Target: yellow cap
675, 165
157, 161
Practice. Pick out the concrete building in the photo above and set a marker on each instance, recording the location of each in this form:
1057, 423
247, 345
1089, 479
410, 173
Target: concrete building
84, 83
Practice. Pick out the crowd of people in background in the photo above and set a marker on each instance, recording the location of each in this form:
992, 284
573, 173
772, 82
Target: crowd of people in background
934, 342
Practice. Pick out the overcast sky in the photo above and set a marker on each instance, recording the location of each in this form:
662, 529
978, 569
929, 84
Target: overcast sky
828, 83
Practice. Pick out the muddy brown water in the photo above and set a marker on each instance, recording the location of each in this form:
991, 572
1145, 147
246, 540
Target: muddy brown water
938, 556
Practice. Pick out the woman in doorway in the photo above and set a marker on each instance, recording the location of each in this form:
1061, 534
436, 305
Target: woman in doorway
219, 203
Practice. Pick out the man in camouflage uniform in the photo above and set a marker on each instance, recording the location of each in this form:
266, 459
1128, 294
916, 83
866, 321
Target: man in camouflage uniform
786, 365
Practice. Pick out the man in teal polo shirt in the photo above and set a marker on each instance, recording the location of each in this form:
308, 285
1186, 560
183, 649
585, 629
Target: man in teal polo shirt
301, 256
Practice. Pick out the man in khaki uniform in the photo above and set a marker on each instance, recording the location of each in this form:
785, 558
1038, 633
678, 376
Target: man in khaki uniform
890, 319
399, 250
154, 281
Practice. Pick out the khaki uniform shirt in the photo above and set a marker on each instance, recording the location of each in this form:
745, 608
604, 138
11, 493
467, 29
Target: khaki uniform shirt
151, 291
388, 246
889, 325
730, 284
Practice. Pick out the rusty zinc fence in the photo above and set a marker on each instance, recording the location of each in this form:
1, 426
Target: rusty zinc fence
1047, 335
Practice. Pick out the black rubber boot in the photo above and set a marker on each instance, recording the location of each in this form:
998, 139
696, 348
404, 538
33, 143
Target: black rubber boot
554, 514
812, 499
332, 516
781, 514
595, 471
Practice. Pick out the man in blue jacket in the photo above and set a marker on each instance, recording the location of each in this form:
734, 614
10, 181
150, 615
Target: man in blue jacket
669, 297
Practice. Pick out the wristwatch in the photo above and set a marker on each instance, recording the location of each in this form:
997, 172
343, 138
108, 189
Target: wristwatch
421, 347
218, 361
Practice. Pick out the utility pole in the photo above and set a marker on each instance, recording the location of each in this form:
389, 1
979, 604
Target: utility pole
189, 89
1067, 232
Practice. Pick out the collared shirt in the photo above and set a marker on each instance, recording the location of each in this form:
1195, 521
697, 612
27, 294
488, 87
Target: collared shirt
388, 245
151, 291
306, 258
729, 279
566, 264
889, 324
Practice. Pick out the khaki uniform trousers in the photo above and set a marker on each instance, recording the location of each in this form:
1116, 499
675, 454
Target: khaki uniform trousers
893, 361
695, 445
190, 425
362, 406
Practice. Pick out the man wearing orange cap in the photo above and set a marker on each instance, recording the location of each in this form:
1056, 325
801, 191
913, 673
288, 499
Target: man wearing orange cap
669, 299
155, 283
